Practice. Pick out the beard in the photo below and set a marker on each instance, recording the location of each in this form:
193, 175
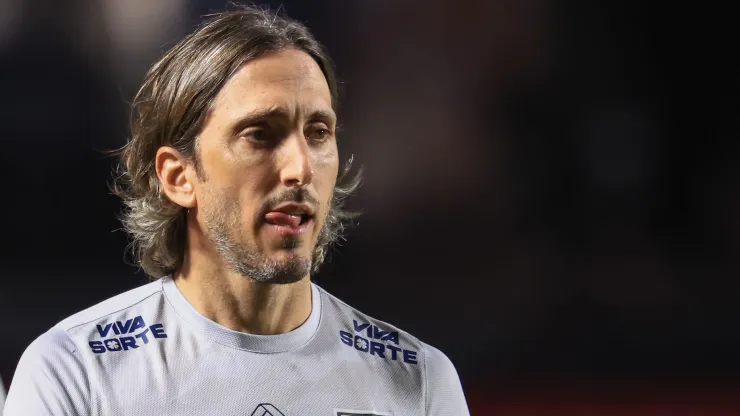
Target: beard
224, 221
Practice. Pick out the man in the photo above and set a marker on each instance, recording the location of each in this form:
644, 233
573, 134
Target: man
230, 183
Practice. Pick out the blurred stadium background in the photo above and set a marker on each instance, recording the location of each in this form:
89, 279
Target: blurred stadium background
551, 197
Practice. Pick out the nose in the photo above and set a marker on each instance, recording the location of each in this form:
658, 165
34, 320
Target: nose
297, 169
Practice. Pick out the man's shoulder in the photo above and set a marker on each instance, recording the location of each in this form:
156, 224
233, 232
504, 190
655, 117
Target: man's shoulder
53, 343
372, 335
51, 371
115, 304
428, 373
50, 378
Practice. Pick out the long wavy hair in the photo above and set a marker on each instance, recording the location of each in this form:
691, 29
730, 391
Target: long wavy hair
170, 109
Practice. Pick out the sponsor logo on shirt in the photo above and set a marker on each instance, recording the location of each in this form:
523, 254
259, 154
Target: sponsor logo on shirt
377, 342
130, 334
266, 409
344, 412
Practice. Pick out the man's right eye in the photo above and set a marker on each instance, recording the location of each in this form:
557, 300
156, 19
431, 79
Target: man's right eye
255, 134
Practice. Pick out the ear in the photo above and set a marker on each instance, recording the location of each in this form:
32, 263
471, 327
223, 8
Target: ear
176, 177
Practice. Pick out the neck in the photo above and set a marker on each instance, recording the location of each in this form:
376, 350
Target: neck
238, 302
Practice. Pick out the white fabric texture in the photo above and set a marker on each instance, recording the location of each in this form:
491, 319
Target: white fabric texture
149, 352
2, 396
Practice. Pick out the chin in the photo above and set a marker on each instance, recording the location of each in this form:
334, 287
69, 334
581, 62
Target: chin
290, 267
291, 244
290, 256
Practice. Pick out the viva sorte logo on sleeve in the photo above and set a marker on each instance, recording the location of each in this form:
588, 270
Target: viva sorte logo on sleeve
126, 335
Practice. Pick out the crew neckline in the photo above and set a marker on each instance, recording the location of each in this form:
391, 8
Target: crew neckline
266, 344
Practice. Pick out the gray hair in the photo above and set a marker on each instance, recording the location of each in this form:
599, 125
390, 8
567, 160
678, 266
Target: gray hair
170, 109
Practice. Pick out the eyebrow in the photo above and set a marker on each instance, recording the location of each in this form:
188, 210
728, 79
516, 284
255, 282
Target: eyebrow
279, 113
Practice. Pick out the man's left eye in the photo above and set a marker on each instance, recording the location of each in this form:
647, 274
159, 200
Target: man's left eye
319, 134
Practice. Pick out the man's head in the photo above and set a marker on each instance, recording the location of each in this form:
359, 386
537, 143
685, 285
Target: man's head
234, 138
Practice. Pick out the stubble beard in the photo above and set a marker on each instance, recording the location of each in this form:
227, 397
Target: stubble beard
222, 224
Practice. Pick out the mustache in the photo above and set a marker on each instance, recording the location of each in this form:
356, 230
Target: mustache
298, 195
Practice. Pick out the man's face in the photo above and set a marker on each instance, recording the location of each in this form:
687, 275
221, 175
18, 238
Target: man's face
268, 165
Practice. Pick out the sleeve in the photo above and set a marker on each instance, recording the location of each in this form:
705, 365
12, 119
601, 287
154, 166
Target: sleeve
2, 396
50, 379
444, 395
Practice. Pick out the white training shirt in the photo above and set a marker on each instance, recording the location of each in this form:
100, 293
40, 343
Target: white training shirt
2, 396
149, 352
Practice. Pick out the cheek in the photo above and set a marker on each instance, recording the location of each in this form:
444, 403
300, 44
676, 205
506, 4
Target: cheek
325, 183
215, 202
251, 201
223, 202
325, 176
326, 163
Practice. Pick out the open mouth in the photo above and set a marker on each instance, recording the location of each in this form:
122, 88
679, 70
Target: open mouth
304, 219
283, 219
289, 220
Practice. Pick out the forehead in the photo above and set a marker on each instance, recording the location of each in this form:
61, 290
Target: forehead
287, 79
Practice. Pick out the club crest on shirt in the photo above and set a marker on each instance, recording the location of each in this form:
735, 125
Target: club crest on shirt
266, 409
347, 412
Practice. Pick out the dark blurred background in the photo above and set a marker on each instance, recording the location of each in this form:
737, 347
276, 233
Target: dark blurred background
551, 196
